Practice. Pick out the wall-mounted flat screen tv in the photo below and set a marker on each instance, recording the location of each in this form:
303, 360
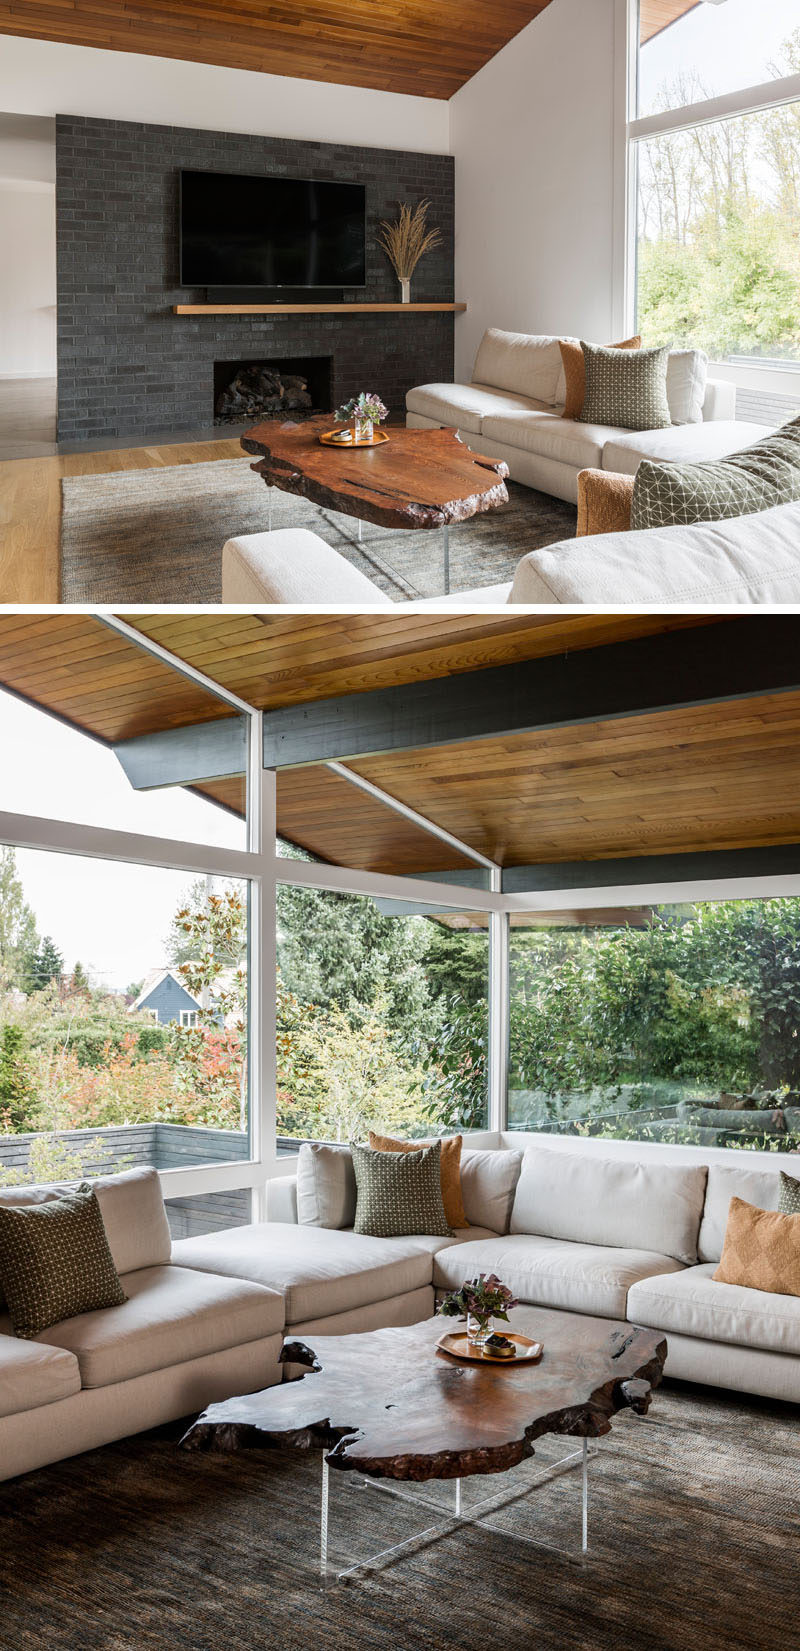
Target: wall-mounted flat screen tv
243, 231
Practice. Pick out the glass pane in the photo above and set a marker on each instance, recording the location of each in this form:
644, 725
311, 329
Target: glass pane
98, 964
719, 224
382, 1017
208, 1212
692, 51
56, 772
672, 1024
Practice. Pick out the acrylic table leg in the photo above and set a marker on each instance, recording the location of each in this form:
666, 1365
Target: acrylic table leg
269, 509
446, 532
323, 1527
585, 1498
360, 530
458, 1499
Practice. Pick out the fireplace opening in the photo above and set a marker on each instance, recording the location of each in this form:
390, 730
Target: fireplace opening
300, 385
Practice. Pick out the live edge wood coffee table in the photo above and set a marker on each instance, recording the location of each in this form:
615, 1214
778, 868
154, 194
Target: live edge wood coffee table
416, 479
386, 1405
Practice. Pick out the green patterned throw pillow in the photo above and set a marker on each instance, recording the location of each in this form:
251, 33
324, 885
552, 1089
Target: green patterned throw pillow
399, 1193
55, 1261
789, 1200
626, 388
744, 483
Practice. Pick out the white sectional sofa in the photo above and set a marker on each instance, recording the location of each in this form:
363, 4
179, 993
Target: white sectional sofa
612, 1229
751, 560
183, 1338
512, 409
615, 1229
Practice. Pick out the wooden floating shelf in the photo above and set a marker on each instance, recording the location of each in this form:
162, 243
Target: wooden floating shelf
314, 309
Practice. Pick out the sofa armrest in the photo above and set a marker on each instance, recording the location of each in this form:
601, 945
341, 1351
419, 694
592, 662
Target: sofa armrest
720, 400
294, 566
604, 502
282, 1199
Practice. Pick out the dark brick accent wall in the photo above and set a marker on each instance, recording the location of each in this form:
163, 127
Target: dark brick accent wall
127, 365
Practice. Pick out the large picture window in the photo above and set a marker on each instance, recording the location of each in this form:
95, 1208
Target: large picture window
716, 152
674, 1023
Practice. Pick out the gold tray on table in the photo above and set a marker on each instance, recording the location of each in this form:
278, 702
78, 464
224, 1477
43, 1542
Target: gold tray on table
457, 1344
335, 438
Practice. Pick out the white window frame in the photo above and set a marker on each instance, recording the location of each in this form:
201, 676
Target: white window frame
264, 871
189, 1018
771, 94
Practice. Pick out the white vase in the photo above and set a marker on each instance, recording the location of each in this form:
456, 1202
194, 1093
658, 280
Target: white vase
405, 289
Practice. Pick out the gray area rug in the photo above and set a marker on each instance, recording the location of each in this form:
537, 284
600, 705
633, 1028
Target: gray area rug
157, 535
693, 1530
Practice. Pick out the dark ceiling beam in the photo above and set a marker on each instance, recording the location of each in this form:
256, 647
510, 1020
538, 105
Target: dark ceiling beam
732, 659
185, 756
638, 870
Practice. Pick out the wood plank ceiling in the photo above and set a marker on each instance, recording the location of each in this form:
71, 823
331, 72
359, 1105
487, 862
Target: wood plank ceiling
713, 776
427, 47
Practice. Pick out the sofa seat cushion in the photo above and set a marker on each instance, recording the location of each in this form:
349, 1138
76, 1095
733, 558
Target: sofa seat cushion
548, 436
32, 1374
549, 1272
682, 443
172, 1314
752, 561
692, 1303
465, 405
318, 1270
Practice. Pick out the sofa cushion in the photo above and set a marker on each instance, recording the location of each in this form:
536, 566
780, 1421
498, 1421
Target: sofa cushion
756, 560
550, 1272
488, 1183
450, 1169
549, 436
318, 1271
172, 1314
687, 373
133, 1214
617, 1201
713, 439
571, 387
692, 1304
761, 1250
789, 1196
55, 1261
326, 1185
627, 388
741, 484
464, 406
292, 566
33, 1375
527, 364
399, 1193
727, 1181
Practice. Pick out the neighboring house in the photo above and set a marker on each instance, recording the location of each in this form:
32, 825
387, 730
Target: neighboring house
164, 996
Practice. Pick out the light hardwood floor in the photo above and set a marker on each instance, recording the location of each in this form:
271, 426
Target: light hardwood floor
30, 508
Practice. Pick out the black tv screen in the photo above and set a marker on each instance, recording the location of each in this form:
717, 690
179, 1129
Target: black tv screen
242, 231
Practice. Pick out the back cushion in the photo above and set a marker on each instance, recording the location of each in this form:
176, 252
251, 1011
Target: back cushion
613, 1201
687, 371
133, 1212
488, 1183
521, 362
326, 1185
755, 1186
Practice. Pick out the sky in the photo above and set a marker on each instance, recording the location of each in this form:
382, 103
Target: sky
729, 46
112, 918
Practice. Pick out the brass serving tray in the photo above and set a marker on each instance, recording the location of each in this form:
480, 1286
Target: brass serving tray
333, 438
456, 1343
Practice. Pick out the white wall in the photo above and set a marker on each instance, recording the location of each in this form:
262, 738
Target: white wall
533, 134
44, 77
27, 248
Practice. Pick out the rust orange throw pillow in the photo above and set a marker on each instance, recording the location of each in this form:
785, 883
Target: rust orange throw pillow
575, 373
761, 1250
450, 1170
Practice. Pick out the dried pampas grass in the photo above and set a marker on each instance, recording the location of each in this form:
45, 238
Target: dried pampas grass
406, 239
